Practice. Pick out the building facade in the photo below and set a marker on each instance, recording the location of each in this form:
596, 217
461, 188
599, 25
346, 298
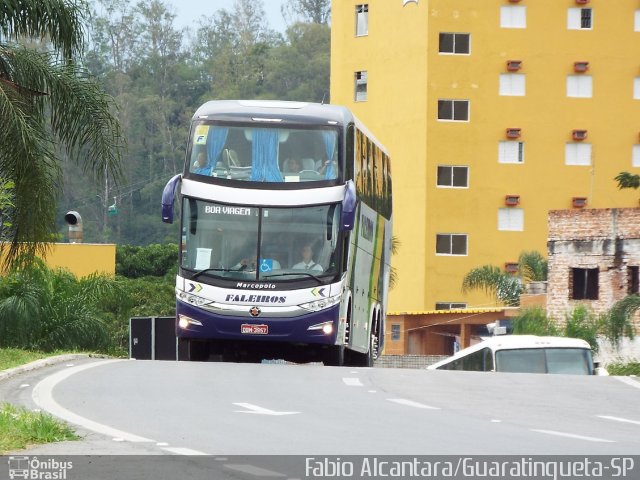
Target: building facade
594, 259
494, 112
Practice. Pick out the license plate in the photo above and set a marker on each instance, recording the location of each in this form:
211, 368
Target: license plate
254, 329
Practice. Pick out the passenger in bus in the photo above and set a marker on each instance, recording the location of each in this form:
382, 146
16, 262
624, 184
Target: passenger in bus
324, 166
307, 262
201, 165
292, 165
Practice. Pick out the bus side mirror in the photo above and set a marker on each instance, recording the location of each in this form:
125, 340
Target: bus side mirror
348, 215
168, 197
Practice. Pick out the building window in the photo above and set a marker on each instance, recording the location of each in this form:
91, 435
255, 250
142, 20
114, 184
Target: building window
450, 305
395, 332
362, 20
579, 86
512, 84
636, 88
636, 21
510, 152
633, 280
512, 16
580, 19
454, 176
511, 219
453, 110
577, 154
635, 156
451, 244
456, 43
361, 86
584, 283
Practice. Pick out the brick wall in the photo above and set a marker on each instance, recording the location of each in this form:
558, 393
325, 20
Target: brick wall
606, 240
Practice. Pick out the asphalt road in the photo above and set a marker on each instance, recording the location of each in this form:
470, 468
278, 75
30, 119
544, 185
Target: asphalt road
226, 409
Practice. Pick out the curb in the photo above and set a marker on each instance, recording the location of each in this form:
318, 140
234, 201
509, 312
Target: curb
45, 362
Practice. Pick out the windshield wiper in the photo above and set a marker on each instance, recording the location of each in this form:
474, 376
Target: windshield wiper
292, 273
200, 272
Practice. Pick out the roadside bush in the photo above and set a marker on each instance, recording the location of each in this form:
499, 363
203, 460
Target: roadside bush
632, 368
151, 260
534, 321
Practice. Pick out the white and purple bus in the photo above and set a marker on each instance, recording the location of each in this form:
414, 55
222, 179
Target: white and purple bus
286, 221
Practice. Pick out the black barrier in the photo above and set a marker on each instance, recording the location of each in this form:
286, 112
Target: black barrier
152, 338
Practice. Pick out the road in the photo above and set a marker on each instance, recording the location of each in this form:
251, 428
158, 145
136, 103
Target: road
275, 409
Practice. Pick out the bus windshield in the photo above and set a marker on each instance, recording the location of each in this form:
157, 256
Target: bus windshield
545, 360
263, 154
277, 244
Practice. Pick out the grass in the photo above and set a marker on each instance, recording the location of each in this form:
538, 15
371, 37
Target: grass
20, 428
13, 357
631, 368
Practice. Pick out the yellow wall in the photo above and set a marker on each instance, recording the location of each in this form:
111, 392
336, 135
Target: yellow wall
83, 259
407, 76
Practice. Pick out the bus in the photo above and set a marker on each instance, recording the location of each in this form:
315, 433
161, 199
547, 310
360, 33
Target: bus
524, 354
286, 230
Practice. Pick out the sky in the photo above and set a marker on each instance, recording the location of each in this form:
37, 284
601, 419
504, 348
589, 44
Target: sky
188, 11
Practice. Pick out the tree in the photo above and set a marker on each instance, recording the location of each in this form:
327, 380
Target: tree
47, 99
627, 180
310, 11
504, 286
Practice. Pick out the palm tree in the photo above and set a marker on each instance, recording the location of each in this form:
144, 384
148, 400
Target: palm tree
47, 309
504, 286
47, 99
492, 280
619, 319
627, 180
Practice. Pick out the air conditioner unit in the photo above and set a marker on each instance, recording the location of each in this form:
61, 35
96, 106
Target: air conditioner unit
579, 202
511, 200
511, 267
513, 132
514, 65
579, 135
580, 67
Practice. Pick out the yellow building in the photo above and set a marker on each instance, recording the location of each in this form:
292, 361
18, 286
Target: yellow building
494, 112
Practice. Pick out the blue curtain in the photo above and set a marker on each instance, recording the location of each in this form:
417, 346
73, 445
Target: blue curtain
264, 156
329, 138
215, 143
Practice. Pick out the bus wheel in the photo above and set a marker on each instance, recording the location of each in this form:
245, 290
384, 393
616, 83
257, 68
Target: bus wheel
334, 356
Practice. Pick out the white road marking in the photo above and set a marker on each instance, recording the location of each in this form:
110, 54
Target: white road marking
572, 435
43, 398
619, 419
253, 470
628, 381
25, 385
495, 420
352, 382
411, 403
183, 451
250, 408
162, 444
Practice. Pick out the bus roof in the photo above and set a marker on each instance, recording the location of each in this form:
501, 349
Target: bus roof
512, 342
274, 111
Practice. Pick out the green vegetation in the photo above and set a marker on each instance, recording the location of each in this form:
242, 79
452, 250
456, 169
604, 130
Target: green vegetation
20, 428
48, 100
503, 286
13, 357
45, 309
632, 368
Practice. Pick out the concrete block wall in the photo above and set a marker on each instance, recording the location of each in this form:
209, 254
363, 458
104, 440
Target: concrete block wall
606, 239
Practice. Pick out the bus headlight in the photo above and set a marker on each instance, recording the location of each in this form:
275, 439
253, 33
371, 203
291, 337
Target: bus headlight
185, 322
192, 299
326, 327
320, 304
